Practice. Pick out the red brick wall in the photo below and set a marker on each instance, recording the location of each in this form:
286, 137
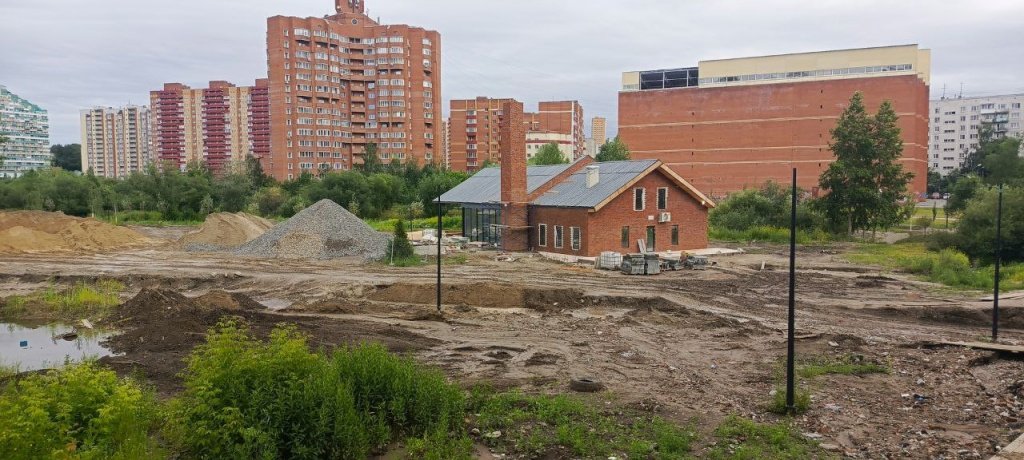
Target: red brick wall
725, 139
602, 230
515, 235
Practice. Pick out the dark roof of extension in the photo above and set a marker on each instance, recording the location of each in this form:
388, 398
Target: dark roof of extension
614, 176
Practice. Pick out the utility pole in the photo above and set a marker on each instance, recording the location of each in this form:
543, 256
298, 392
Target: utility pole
790, 358
999, 254
439, 229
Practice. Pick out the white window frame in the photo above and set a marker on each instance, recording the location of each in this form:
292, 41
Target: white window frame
559, 237
542, 235
575, 238
643, 198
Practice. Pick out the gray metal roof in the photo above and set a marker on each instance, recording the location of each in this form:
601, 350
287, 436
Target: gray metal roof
612, 176
484, 187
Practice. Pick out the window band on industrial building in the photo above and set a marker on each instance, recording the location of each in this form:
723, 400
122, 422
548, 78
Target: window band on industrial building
808, 74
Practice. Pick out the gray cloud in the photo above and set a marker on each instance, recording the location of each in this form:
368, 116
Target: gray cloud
71, 54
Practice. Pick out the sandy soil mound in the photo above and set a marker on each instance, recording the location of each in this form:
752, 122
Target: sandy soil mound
37, 231
322, 231
225, 230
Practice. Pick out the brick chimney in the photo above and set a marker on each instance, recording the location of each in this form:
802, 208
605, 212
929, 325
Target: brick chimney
512, 148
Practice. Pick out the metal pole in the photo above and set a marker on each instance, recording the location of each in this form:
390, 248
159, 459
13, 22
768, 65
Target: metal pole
790, 358
439, 229
999, 254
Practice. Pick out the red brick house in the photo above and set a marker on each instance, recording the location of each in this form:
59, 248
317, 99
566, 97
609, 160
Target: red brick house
584, 208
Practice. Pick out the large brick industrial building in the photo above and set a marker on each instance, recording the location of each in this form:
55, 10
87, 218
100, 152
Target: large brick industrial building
473, 130
730, 124
215, 126
578, 209
342, 81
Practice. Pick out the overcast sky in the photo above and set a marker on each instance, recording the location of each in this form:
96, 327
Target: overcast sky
66, 55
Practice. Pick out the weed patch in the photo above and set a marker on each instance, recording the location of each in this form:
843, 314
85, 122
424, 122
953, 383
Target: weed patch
79, 301
847, 365
777, 403
536, 426
739, 438
449, 223
248, 399
80, 411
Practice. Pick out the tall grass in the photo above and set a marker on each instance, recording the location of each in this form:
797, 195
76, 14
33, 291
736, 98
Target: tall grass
948, 266
74, 302
80, 411
248, 399
765, 234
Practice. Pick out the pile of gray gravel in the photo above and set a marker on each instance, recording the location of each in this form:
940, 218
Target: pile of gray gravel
322, 231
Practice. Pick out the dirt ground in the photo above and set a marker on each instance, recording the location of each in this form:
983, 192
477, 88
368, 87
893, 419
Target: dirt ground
696, 345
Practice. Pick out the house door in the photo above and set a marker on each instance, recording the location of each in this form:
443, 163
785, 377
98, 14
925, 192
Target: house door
651, 239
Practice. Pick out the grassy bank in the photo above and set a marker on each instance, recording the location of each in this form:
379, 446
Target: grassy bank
766, 234
68, 303
948, 267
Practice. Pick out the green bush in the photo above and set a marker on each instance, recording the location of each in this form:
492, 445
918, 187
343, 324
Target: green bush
400, 247
248, 399
767, 207
79, 412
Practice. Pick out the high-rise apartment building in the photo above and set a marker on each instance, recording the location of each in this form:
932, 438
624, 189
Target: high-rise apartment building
734, 123
217, 126
445, 140
474, 137
559, 117
343, 81
599, 130
26, 127
956, 125
115, 141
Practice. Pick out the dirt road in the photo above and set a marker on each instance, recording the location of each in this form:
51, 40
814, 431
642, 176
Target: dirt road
695, 345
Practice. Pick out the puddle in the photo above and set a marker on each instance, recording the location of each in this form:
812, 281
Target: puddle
275, 304
33, 348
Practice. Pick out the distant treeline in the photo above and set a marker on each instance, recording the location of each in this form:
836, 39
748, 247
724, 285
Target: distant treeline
167, 194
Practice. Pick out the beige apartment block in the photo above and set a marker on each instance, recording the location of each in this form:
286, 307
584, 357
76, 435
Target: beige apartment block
115, 141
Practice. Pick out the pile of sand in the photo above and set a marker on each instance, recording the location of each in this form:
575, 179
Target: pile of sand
322, 231
224, 230
37, 231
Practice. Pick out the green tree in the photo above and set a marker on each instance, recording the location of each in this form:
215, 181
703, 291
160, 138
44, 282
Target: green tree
548, 154
866, 183
962, 193
489, 163
768, 206
400, 247
68, 157
976, 232
614, 150
371, 161
1001, 162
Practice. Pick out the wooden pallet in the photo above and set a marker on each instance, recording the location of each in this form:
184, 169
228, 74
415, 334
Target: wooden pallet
988, 346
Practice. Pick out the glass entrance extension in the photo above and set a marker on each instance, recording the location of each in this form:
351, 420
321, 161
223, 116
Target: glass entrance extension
482, 224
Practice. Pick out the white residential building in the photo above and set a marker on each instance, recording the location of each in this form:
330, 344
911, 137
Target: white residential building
26, 127
954, 125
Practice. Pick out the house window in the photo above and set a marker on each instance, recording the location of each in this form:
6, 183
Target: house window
663, 198
574, 236
559, 237
651, 239
675, 235
542, 235
639, 199
625, 237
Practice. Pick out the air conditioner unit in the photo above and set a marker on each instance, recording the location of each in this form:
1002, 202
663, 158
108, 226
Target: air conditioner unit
664, 217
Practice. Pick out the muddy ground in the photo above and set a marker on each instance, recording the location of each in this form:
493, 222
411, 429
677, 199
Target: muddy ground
697, 346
